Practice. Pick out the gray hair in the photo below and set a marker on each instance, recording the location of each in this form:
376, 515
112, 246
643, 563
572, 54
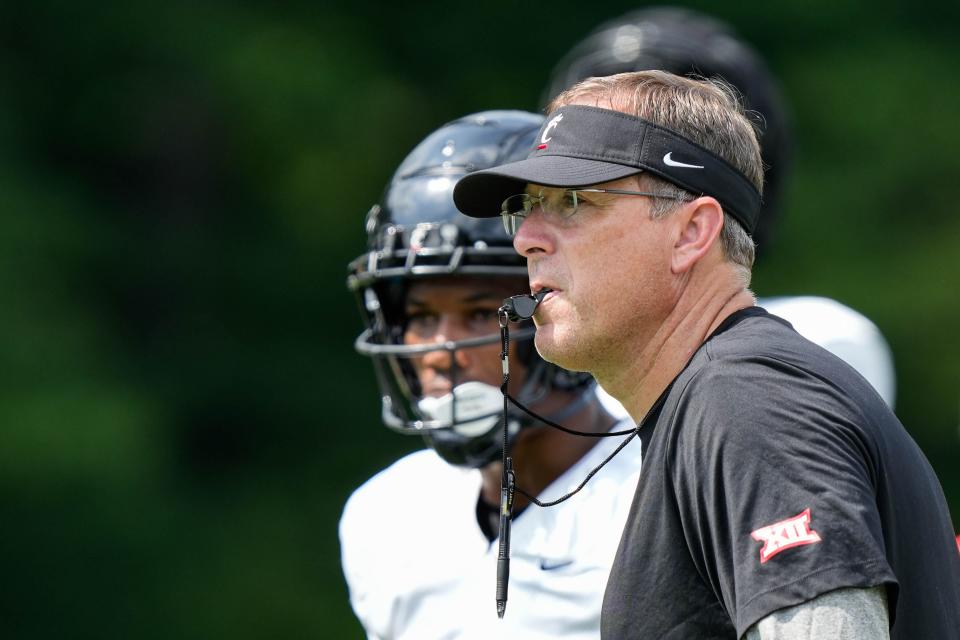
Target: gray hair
707, 112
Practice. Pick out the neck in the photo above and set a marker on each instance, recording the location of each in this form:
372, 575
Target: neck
541, 453
638, 380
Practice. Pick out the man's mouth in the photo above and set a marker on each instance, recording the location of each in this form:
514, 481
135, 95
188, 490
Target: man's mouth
544, 293
539, 288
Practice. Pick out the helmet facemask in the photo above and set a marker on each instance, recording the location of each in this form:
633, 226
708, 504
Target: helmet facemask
463, 422
418, 234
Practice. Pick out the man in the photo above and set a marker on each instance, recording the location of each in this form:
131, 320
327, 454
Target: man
416, 539
685, 42
779, 496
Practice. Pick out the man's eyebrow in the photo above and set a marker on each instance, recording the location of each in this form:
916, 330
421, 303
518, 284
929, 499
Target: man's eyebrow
483, 296
586, 194
474, 297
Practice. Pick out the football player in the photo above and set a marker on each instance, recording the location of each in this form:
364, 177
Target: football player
417, 538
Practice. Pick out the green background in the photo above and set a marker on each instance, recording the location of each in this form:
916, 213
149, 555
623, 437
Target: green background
181, 187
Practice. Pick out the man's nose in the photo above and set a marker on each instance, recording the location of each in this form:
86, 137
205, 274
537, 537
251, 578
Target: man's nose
533, 237
443, 359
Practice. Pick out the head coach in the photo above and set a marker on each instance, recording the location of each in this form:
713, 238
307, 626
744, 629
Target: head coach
779, 496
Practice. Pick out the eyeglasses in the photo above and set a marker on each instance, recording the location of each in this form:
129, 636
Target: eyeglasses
557, 204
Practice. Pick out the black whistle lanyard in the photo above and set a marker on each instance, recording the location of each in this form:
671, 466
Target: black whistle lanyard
507, 477
517, 308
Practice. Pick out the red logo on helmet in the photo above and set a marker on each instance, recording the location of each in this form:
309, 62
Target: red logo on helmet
792, 532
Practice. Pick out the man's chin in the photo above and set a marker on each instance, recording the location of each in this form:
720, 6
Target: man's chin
551, 349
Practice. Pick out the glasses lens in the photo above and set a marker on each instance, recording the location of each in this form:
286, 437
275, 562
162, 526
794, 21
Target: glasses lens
559, 203
510, 223
514, 209
518, 204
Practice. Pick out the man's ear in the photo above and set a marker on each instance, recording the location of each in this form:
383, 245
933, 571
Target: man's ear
699, 224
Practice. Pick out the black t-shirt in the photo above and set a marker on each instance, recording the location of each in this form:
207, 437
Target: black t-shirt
775, 473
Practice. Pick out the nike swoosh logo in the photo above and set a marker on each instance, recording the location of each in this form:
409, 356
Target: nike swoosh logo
552, 566
670, 162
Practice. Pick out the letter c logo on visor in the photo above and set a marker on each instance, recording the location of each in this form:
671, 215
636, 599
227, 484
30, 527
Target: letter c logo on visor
544, 139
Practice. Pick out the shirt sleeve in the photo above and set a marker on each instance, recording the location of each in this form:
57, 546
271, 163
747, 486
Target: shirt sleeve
354, 559
844, 614
775, 487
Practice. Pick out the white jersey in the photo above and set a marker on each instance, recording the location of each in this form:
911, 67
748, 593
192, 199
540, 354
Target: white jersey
418, 566
845, 333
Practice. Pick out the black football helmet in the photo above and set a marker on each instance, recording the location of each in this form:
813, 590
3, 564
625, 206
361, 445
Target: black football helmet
417, 232
685, 42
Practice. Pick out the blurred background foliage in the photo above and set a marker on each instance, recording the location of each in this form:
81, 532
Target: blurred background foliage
181, 187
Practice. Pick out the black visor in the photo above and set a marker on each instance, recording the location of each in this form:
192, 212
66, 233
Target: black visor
581, 146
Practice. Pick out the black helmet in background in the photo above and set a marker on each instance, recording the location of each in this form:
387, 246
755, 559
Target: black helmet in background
417, 232
686, 42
